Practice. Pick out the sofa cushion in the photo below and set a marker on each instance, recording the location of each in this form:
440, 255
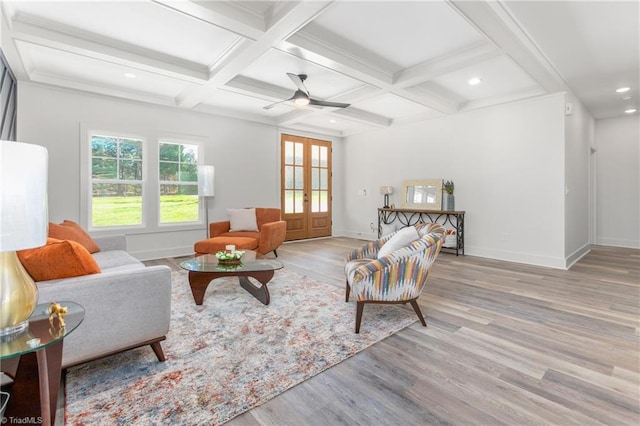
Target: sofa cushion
69, 230
116, 259
58, 259
243, 220
400, 239
216, 244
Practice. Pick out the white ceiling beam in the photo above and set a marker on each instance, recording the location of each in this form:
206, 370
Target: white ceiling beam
89, 87
491, 19
251, 87
295, 115
241, 115
313, 48
364, 117
495, 100
424, 98
350, 113
294, 16
220, 14
54, 36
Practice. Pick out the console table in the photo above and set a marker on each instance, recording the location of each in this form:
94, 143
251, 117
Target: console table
453, 220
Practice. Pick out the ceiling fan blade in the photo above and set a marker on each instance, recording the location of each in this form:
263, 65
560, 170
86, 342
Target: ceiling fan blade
317, 102
276, 103
298, 81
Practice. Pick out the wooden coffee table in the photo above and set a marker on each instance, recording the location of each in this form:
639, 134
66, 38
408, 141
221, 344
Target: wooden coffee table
206, 268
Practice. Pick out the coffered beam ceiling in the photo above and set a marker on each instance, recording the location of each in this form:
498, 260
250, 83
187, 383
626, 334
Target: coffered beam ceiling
231, 57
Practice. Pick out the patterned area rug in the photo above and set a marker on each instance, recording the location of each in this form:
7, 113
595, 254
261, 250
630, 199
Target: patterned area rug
229, 355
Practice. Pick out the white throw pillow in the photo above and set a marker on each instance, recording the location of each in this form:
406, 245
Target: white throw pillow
399, 240
242, 220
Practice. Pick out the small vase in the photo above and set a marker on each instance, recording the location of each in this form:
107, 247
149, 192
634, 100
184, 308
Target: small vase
449, 203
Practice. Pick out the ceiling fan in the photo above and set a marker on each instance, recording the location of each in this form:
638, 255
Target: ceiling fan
302, 97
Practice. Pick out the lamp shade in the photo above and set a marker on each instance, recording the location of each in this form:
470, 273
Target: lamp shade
386, 190
23, 196
205, 181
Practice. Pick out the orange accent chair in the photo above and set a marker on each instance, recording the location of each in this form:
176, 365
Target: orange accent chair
270, 235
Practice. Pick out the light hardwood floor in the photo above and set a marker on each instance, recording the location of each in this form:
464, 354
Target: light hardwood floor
506, 343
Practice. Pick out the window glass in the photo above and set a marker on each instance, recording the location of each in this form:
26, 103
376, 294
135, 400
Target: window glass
116, 181
178, 172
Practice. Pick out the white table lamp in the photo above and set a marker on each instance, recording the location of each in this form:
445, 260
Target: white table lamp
23, 225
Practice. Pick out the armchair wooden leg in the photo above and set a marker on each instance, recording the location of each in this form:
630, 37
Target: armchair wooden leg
275, 252
416, 308
359, 309
348, 292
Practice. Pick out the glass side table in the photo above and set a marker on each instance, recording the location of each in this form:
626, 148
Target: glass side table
43, 340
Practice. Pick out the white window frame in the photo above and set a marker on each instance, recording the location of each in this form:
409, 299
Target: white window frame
151, 179
86, 186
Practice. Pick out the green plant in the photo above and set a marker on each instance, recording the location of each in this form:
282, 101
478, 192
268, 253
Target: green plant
448, 186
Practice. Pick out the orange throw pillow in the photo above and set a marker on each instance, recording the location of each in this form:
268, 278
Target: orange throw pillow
58, 259
69, 230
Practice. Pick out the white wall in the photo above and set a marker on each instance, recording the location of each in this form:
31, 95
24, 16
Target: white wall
245, 155
507, 163
579, 138
510, 164
618, 188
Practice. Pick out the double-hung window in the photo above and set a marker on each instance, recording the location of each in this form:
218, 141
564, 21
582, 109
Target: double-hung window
116, 181
178, 167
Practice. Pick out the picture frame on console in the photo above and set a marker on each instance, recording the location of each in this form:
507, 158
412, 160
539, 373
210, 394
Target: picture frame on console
422, 194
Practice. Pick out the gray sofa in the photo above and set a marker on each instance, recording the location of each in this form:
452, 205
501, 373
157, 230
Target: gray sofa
127, 305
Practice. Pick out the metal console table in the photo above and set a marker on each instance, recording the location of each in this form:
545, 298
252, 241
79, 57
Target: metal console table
409, 217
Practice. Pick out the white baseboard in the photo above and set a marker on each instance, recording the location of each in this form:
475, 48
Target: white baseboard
369, 236
616, 242
512, 256
577, 255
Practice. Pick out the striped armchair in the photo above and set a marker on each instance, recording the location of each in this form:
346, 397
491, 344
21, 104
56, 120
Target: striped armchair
398, 277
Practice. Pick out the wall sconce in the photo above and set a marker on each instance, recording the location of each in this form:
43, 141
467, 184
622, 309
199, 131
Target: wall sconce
386, 190
24, 223
206, 189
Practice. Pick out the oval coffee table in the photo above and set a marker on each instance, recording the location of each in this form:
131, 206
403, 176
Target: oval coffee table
206, 268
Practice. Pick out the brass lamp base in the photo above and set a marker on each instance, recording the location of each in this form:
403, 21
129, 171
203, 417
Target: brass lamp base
18, 296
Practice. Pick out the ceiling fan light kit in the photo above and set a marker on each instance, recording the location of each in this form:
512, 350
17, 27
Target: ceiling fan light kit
302, 97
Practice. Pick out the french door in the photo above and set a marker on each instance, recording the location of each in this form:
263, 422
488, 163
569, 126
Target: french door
306, 187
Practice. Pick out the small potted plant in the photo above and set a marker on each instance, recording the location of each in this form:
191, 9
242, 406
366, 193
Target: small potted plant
448, 201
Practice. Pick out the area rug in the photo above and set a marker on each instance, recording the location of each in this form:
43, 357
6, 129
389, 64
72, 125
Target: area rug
229, 355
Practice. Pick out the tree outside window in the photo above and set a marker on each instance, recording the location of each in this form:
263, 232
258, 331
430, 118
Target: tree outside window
178, 167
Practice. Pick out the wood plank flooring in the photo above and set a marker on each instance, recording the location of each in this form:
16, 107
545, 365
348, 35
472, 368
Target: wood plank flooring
506, 343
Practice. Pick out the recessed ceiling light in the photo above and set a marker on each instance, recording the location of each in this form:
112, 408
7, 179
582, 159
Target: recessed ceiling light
332, 120
626, 98
630, 110
623, 89
475, 81
129, 75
